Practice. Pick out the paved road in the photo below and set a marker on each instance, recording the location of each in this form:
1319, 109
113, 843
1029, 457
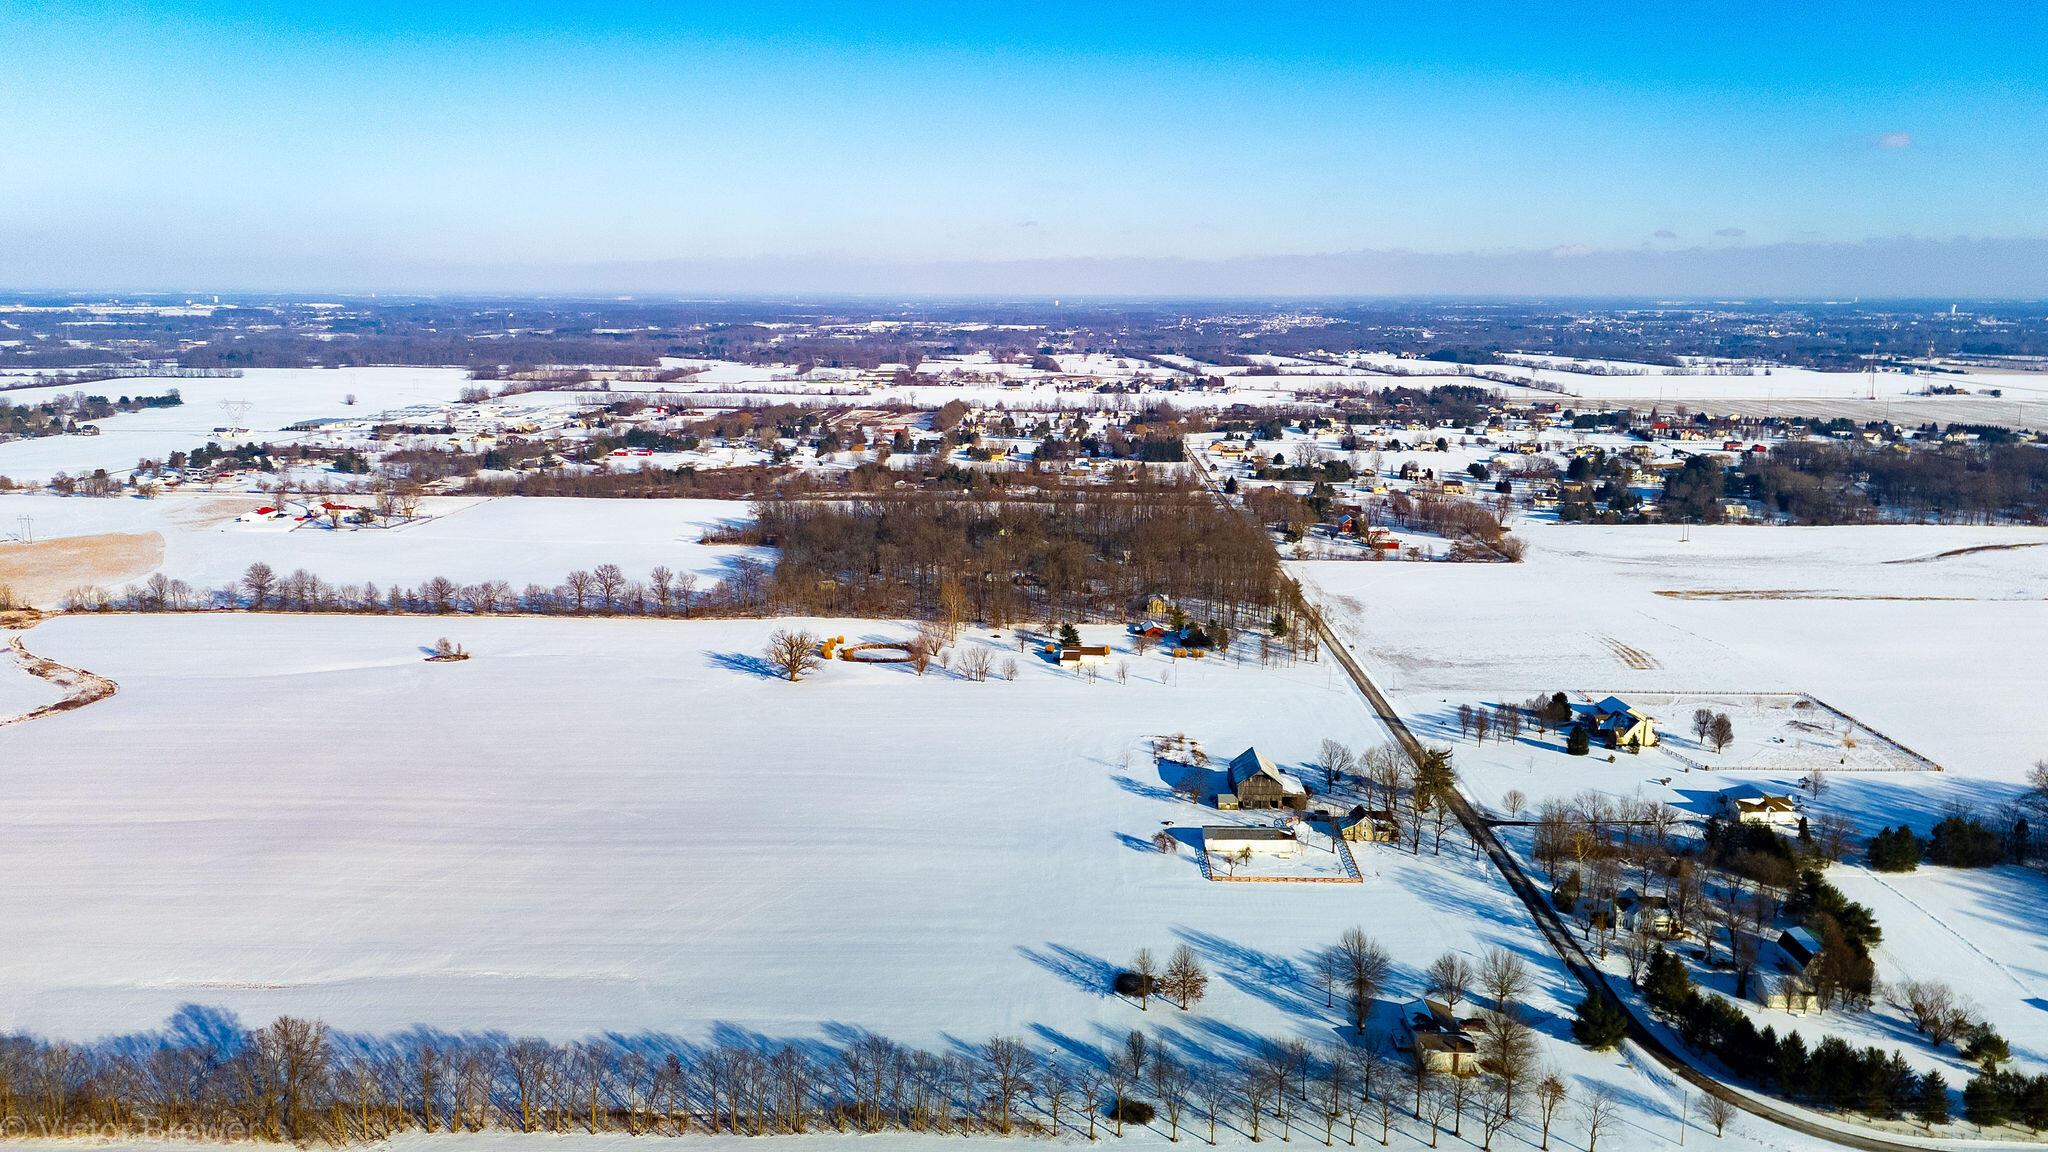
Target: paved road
1552, 925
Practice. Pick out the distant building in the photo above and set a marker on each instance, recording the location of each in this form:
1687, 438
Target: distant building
1075, 655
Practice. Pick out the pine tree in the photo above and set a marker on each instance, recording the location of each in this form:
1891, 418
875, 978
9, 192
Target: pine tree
1985, 1102
1600, 1024
1930, 1105
1575, 741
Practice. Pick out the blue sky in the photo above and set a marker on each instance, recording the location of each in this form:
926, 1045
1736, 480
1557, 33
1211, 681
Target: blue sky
340, 144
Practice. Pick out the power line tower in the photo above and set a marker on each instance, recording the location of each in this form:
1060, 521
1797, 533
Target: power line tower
25, 529
234, 413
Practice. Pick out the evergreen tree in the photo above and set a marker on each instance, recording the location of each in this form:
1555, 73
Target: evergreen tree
1985, 1103
1894, 850
1575, 741
1666, 984
1599, 1024
1930, 1105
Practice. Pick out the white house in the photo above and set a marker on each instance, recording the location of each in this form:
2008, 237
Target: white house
1750, 804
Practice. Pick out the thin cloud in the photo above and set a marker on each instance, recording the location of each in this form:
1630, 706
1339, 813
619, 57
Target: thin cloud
1664, 234
1895, 140
1568, 250
1731, 233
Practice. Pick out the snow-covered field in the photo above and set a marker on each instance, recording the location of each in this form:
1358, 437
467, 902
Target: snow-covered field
277, 399
516, 539
627, 825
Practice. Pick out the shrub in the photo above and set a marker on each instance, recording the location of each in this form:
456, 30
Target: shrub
1134, 984
1131, 1111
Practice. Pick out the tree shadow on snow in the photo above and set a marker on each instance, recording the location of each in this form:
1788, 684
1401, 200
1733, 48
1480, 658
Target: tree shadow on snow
1088, 973
744, 662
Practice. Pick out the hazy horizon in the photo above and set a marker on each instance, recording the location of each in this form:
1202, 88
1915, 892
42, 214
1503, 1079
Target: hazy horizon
911, 148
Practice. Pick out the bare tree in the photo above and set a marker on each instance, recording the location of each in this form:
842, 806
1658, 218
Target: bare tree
258, 580
1722, 732
1009, 1066
1503, 978
1335, 760
1718, 1112
1184, 980
1170, 1085
1551, 1095
1597, 1114
1448, 977
794, 654
1214, 1092
1496, 1109
1366, 966
1147, 972
976, 662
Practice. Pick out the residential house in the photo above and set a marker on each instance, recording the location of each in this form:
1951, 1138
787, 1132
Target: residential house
1750, 804
1636, 912
1435, 1035
1375, 825
1618, 725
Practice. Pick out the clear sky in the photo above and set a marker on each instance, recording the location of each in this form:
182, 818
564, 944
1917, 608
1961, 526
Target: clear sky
359, 145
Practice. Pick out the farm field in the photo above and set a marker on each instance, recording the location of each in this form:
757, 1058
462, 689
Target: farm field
277, 398
198, 539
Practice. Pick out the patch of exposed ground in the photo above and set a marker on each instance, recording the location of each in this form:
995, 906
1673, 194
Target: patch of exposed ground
1805, 594
80, 687
1631, 657
40, 573
1954, 552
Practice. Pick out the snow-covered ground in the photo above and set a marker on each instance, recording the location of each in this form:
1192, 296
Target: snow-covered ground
515, 539
629, 825
277, 398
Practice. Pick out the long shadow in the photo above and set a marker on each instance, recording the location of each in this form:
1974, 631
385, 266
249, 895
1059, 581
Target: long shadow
1147, 790
1178, 775
1088, 973
744, 662
1274, 979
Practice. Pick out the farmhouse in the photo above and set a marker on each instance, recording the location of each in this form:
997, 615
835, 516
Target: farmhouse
1637, 912
1434, 1035
1376, 825
1618, 725
1750, 804
1256, 782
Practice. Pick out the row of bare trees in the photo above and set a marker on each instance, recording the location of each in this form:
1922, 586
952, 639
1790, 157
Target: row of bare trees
605, 590
297, 1081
